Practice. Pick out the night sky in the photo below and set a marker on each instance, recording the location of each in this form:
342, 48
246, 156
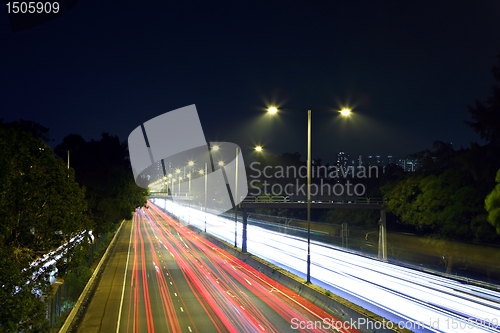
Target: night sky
407, 69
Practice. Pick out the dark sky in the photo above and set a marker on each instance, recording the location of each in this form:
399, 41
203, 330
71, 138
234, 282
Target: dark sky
408, 70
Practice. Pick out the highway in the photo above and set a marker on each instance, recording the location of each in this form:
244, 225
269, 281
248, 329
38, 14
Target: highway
172, 280
426, 302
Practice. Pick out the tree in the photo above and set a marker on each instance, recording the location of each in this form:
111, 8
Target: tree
444, 197
103, 168
41, 208
37, 131
492, 205
486, 115
436, 160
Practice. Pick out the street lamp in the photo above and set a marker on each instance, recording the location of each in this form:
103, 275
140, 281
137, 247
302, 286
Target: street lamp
206, 183
344, 112
172, 189
190, 198
258, 148
221, 164
166, 185
191, 163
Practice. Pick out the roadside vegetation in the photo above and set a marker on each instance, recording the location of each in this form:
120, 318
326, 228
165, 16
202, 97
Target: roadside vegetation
44, 204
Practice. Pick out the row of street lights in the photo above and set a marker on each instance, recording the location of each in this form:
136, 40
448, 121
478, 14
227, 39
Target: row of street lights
205, 173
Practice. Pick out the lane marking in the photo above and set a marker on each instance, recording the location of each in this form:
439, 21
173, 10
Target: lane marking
124, 279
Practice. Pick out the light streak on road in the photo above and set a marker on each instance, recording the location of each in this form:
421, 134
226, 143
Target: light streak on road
181, 282
396, 293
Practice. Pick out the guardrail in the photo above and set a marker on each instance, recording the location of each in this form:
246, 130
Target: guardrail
286, 199
67, 323
266, 199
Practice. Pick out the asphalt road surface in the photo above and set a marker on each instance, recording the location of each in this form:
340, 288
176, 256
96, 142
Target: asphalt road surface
162, 277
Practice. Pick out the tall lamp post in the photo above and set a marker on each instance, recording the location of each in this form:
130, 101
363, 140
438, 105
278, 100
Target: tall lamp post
204, 172
180, 178
166, 185
344, 112
191, 163
170, 188
236, 205
221, 164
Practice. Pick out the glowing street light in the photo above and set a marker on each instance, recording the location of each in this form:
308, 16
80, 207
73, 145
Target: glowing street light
215, 148
272, 110
258, 148
191, 163
221, 163
345, 112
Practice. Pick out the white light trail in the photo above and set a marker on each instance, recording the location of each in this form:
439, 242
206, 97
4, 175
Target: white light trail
397, 293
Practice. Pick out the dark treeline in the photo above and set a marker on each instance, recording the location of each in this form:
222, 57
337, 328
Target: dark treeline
44, 204
103, 169
453, 194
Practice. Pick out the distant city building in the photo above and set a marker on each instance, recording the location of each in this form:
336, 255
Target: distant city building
342, 160
360, 161
374, 160
408, 165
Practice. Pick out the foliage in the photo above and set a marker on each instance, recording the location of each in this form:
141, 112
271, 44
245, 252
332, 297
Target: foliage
444, 198
76, 282
103, 168
486, 115
37, 131
41, 208
492, 205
